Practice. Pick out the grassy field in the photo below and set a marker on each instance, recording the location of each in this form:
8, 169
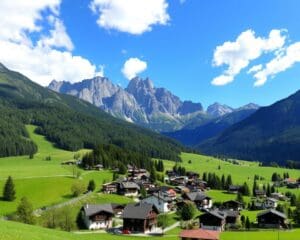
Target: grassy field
18, 231
43, 182
244, 172
23, 167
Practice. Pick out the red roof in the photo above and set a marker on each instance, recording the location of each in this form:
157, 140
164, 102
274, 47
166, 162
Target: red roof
200, 234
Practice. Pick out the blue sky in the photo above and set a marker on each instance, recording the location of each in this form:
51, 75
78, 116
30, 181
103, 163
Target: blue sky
178, 46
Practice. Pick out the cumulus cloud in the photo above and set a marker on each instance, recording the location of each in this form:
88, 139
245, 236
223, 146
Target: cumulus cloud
132, 67
247, 47
131, 16
50, 56
279, 64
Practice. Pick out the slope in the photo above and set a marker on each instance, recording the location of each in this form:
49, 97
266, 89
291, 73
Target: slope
272, 134
70, 123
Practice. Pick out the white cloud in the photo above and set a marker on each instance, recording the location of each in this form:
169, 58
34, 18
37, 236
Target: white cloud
19, 16
238, 54
48, 58
131, 16
58, 36
279, 64
132, 67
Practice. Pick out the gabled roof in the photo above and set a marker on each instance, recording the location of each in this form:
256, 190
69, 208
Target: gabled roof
196, 196
137, 210
200, 234
129, 185
92, 209
273, 211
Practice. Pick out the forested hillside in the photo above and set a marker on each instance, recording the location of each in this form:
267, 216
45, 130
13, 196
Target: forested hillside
272, 134
67, 121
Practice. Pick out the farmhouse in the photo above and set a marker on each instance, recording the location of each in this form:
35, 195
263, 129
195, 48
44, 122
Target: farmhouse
201, 200
271, 219
140, 217
199, 234
217, 219
212, 220
260, 193
98, 216
232, 205
110, 187
128, 189
234, 189
271, 203
161, 201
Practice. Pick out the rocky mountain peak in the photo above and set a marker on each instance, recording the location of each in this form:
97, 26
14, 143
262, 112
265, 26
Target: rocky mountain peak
217, 109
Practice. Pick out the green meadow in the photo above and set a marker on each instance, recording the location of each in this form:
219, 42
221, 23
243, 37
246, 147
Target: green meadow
243, 172
43, 182
17, 231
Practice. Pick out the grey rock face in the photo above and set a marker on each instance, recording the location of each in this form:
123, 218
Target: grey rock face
218, 110
140, 102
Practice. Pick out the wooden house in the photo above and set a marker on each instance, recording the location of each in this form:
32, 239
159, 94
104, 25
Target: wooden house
97, 216
212, 220
110, 187
201, 200
128, 189
232, 205
272, 219
140, 217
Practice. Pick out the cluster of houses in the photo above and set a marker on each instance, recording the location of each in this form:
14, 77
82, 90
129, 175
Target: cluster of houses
141, 216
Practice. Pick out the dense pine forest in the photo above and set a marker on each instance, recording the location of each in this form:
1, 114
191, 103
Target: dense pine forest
68, 122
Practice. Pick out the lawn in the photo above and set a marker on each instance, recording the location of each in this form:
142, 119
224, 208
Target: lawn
43, 182
244, 172
17, 231
23, 167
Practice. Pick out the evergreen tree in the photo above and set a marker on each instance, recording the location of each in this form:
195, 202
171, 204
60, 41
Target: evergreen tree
254, 188
9, 193
187, 212
268, 192
228, 181
247, 224
204, 177
223, 182
91, 186
239, 197
153, 174
293, 200
245, 189
25, 211
122, 168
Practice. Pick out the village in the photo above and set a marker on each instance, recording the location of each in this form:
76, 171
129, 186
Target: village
180, 192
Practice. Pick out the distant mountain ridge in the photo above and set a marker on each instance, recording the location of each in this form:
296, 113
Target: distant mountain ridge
271, 134
142, 103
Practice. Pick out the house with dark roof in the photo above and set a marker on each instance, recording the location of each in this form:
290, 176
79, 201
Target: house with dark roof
234, 189
161, 201
98, 216
128, 189
201, 200
140, 217
218, 219
199, 234
232, 205
272, 219
212, 220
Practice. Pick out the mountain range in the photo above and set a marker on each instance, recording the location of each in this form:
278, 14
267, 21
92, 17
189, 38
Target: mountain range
142, 103
68, 122
271, 134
